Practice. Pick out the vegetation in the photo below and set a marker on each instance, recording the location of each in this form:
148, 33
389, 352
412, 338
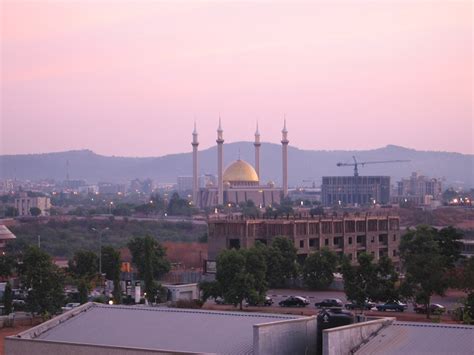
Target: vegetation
369, 280
149, 257
281, 263
8, 299
428, 255
64, 238
319, 269
241, 275
43, 281
111, 268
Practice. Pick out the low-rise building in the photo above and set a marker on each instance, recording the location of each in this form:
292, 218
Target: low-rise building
24, 204
97, 329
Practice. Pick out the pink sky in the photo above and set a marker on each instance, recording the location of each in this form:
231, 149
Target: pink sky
127, 78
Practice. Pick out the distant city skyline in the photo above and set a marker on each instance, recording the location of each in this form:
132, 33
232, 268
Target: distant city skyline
130, 78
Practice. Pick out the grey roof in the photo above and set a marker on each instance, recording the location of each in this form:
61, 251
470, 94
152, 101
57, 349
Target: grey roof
410, 338
5, 233
160, 328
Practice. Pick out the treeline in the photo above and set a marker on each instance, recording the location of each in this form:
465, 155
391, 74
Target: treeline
43, 283
63, 238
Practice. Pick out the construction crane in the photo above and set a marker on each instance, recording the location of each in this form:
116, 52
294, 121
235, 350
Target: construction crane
355, 164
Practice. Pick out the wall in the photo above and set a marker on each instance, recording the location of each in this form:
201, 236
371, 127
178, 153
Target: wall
341, 340
294, 336
15, 346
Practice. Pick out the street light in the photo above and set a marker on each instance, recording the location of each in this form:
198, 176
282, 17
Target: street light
100, 232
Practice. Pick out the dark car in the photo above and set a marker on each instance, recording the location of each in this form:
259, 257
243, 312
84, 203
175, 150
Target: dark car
367, 305
267, 302
435, 308
391, 306
294, 301
329, 303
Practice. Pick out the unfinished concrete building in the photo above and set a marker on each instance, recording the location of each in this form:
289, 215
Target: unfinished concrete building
349, 235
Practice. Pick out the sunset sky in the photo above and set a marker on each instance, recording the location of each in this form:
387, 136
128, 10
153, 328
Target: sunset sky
129, 77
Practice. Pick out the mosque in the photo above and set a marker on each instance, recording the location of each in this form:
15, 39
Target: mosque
240, 181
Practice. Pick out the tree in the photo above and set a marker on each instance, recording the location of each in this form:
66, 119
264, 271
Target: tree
319, 269
179, 206
281, 261
84, 264
111, 267
43, 282
360, 281
249, 209
386, 281
11, 211
426, 265
83, 289
35, 211
8, 299
7, 263
450, 245
150, 259
241, 275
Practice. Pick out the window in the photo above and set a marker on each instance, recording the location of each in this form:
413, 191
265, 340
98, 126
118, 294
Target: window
394, 253
350, 241
234, 244
301, 243
394, 237
372, 239
326, 241
350, 256
312, 242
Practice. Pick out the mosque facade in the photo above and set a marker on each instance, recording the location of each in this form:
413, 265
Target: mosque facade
239, 181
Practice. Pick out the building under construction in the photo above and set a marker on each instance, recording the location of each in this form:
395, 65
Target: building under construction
351, 235
355, 190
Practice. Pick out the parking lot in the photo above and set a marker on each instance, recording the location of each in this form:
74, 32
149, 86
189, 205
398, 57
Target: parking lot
450, 300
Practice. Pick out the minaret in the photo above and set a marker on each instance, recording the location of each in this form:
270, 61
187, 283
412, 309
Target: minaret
195, 144
284, 146
257, 145
220, 162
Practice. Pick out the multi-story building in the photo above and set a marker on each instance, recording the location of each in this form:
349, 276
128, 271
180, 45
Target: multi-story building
355, 190
351, 235
24, 204
418, 189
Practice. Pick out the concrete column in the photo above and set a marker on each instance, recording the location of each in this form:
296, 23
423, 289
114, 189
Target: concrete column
220, 163
284, 143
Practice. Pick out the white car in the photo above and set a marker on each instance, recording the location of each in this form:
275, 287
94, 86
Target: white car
70, 306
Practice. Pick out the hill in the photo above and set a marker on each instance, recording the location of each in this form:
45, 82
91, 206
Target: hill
457, 169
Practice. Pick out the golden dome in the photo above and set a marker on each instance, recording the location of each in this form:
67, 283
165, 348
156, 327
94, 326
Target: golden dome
240, 170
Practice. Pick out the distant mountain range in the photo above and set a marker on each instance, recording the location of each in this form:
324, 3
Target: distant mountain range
455, 168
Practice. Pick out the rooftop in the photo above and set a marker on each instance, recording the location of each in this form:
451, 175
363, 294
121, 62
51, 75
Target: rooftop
155, 328
421, 338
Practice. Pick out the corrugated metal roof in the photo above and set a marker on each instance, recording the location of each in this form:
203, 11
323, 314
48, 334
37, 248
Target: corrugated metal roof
162, 328
5, 233
410, 338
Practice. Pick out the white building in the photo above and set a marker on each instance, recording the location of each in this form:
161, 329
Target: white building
24, 204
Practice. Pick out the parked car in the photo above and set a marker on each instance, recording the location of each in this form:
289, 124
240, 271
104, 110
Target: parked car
294, 301
396, 306
435, 308
367, 305
267, 302
219, 300
70, 306
329, 302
